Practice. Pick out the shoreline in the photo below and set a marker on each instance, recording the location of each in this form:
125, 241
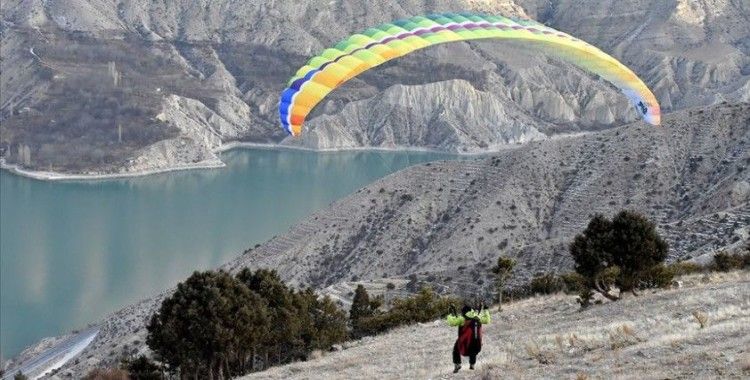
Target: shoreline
61, 177
264, 146
52, 176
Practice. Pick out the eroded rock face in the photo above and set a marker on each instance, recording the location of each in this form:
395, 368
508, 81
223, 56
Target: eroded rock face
60, 97
476, 120
687, 51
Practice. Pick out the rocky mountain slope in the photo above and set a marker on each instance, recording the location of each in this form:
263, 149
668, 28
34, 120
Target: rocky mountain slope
654, 336
99, 86
445, 223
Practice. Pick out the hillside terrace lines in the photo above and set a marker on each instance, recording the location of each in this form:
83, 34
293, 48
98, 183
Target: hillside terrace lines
472, 187
702, 234
286, 241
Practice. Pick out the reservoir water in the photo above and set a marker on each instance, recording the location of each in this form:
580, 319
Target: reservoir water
71, 252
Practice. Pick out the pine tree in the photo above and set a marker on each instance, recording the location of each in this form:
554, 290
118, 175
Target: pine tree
300, 322
362, 308
636, 248
211, 323
590, 249
330, 323
323, 324
623, 251
283, 338
218, 326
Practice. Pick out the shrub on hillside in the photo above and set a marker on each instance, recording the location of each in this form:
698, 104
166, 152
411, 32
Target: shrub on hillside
682, 268
550, 283
424, 306
502, 272
516, 293
584, 297
635, 247
107, 374
142, 368
279, 302
725, 262
590, 249
547, 284
659, 276
618, 252
573, 282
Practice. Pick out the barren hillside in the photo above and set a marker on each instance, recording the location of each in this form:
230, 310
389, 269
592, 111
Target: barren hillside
654, 336
98, 86
446, 222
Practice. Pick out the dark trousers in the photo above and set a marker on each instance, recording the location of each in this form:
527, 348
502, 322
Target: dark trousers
457, 356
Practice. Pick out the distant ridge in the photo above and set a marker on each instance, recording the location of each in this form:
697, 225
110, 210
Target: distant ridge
95, 87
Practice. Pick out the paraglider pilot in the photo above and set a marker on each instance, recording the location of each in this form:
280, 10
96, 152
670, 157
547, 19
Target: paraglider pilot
469, 341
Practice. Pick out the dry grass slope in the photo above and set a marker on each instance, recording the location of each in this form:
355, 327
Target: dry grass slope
653, 336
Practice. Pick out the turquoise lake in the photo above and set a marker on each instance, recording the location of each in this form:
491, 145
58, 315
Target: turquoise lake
72, 252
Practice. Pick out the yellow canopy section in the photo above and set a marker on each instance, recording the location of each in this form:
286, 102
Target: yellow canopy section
375, 46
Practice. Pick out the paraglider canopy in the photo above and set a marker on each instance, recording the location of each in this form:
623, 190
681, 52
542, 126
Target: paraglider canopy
372, 47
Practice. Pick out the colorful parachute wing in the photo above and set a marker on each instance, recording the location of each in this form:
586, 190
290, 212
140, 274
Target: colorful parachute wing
372, 47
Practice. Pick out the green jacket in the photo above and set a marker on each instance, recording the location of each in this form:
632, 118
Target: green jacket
458, 320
